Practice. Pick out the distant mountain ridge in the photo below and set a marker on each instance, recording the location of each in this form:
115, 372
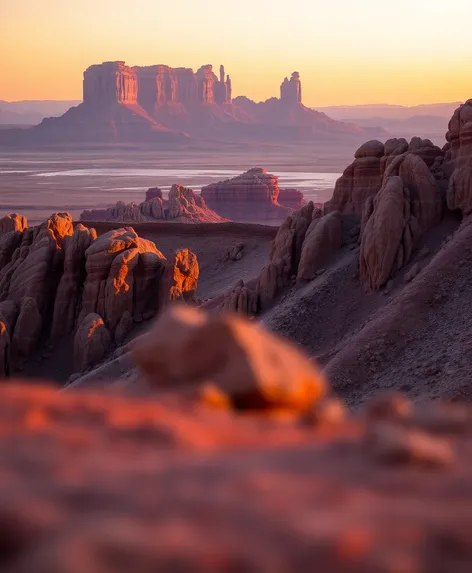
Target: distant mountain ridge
428, 120
32, 112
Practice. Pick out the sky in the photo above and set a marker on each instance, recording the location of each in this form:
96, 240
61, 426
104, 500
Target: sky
347, 51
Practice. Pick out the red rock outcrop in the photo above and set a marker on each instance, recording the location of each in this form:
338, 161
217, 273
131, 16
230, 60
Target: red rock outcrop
54, 276
227, 359
13, 222
374, 162
361, 180
182, 206
109, 83
180, 278
111, 263
249, 197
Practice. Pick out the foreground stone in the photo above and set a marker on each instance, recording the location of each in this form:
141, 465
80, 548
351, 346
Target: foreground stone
249, 367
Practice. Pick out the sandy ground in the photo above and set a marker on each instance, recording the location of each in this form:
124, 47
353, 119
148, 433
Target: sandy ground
108, 483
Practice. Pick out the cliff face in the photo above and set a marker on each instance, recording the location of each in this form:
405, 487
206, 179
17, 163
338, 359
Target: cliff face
154, 86
110, 82
249, 197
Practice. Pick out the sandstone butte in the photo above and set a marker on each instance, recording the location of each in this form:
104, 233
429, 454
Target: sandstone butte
160, 105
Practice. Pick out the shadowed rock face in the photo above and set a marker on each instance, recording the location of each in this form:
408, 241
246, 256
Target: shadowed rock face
249, 197
373, 162
459, 159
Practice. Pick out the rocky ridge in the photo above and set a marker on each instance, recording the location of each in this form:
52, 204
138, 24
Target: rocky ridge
182, 206
58, 278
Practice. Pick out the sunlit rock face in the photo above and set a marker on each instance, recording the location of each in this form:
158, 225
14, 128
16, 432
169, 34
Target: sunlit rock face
110, 82
161, 85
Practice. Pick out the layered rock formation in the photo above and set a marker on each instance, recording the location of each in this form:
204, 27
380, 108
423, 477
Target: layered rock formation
55, 279
249, 197
364, 177
110, 83
163, 105
182, 206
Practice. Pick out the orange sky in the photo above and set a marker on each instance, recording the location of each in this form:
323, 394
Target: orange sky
347, 52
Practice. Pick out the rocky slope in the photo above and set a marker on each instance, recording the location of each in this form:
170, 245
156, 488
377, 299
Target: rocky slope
57, 279
182, 206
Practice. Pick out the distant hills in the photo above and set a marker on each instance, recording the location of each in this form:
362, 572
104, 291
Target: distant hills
32, 112
428, 120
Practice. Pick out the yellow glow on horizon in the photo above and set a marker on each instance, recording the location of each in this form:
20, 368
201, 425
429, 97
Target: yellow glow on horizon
407, 52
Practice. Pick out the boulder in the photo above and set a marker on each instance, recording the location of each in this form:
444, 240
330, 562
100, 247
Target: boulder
251, 368
122, 276
180, 278
91, 342
323, 237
